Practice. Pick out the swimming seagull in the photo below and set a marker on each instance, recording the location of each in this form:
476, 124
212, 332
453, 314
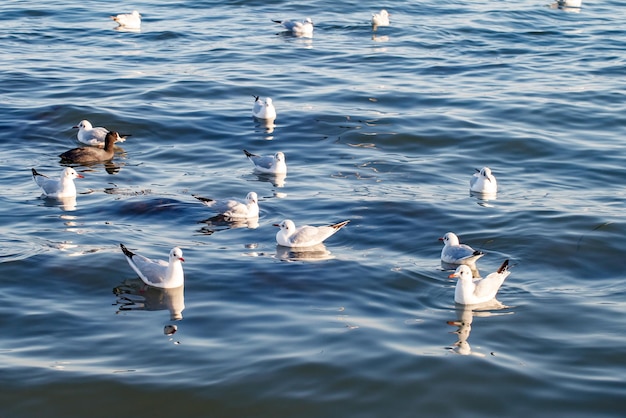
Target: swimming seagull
272, 164
381, 18
128, 20
158, 273
92, 154
263, 108
470, 292
59, 188
234, 208
298, 28
483, 182
304, 236
89, 135
455, 253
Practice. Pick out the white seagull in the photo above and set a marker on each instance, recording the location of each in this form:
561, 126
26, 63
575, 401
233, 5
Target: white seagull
272, 164
304, 236
381, 18
483, 182
89, 135
298, 28
128, 20
234, 208
158, 273
471, 292
263, 108
58, 188
455, 253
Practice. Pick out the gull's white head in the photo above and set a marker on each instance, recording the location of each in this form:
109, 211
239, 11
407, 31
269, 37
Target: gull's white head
176, 254
486, 172
462, 272
70, 173
84, 124
251, 198
279, 156
308, 20
450, 239
268, 101
287, 226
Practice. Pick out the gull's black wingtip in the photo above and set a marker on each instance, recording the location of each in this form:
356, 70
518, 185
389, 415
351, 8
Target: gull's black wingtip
126, 251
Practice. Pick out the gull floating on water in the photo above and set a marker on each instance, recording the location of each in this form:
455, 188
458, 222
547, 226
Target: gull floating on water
455, 253
304, 236
471, 292
263, 108
89, 135
128, 20
58, 188
483, 182
92, 154
298, 28
234, 208
271, 164
158, 273
381, 18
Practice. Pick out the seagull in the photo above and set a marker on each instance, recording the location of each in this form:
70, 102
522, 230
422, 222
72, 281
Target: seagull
234, 208
304, 236
455, 253
263, 108
158, 273
89, 135
470, 292
58, 188
381, 18
298, 28
128, 20
483, 182
272, 164
92, 154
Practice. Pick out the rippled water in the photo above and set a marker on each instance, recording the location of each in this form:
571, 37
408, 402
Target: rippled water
383, 128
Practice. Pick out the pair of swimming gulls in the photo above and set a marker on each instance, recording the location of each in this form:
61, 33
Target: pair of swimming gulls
305, 27
159, 273
470, 291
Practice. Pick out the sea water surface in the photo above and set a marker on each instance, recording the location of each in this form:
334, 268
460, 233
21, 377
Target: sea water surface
384, 128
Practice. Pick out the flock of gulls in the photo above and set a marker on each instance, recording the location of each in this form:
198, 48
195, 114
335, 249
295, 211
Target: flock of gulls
98, 146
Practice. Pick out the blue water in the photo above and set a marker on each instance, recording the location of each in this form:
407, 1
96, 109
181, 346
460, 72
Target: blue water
384, 128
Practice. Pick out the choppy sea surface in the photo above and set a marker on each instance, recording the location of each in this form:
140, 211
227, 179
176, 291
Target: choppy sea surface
384, 128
